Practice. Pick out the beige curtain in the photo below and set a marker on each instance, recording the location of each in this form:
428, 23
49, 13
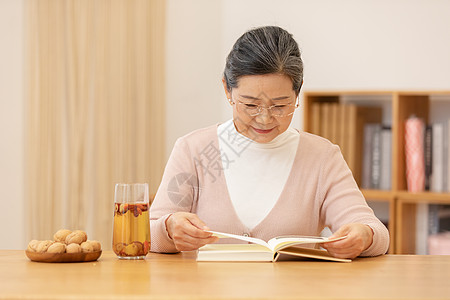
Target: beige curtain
95, 109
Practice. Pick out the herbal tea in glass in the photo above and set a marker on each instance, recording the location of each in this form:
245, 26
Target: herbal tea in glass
131, 232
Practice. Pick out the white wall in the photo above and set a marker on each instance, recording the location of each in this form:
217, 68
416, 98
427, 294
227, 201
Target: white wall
194, 61
11, 125
353, 44
346, 44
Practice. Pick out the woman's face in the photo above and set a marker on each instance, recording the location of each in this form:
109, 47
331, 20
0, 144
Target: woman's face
263, 90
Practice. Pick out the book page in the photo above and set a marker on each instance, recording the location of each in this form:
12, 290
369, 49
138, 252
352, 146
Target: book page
278, 243
240, 237
290, 252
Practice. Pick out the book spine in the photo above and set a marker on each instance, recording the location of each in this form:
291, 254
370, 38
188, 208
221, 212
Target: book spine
334, 127
428, 157
446, 154
437, 150
315, 129
344, 130
325, 112
375, 173
352, 136
444, 218
367, 156
386, 158
422, 228
433, 218
339, 137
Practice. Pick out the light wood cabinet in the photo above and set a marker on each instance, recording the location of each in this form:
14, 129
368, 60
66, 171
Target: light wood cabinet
397, 106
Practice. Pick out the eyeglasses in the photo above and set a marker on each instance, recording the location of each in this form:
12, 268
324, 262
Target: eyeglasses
277, 110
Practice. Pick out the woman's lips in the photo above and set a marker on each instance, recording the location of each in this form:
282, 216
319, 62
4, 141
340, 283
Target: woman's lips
262, 131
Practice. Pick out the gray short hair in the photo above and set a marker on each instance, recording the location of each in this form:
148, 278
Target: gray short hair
264, 50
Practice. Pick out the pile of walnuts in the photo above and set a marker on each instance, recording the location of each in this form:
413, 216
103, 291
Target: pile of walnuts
65, 241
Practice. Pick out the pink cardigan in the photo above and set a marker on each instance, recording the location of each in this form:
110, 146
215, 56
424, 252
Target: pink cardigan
319, 192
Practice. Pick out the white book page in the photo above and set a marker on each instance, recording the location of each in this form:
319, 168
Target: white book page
241, 237
278, 243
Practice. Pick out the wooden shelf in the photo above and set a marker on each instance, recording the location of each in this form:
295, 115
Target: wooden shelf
389, 198
427, 197
378, 195
402, 204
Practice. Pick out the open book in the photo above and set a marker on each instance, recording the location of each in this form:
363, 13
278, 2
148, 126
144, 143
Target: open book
278, 248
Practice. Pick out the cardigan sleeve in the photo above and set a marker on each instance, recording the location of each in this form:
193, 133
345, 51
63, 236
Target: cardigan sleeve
176, 193
343, 202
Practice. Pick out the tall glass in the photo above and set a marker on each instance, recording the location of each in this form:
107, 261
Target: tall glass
131, 232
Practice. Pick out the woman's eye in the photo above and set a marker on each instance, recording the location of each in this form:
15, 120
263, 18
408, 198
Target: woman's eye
249, 105
280, 106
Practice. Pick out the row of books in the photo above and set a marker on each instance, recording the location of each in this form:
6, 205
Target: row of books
366, 145
432, 229
377, 157
343, 124
433, 220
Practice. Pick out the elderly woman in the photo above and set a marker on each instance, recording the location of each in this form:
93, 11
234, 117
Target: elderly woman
254, 175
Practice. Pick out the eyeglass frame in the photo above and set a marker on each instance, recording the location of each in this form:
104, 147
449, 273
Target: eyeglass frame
269, 109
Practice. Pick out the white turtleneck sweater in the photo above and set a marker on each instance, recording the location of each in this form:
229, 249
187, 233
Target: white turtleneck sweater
255, 173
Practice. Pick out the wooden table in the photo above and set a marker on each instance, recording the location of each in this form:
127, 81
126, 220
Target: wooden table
179, 276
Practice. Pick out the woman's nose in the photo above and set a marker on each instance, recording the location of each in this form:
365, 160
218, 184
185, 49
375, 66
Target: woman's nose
265, 116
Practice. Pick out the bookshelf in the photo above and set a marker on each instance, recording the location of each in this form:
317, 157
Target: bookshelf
396, 107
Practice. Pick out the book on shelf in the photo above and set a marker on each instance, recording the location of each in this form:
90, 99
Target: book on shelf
334, 123
422, 228
375, 173
325, 121
386, 158
344, 127
369, 131
447, 158
315, 126
276, 249
438, 229
431, 220
357, 117
439, 244
428, 156
439, 157
376, 165
343, 124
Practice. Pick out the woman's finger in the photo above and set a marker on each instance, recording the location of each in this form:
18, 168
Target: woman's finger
188, 243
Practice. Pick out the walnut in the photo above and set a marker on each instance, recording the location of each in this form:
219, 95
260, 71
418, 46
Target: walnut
60, 235
86, 247
57, 247
73, 248
43, 246
95, 245
32, 245
77, 236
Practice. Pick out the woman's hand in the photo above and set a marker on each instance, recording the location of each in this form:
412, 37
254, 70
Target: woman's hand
188, 232
359, 238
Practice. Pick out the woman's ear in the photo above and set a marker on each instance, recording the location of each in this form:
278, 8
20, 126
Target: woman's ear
227, 93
